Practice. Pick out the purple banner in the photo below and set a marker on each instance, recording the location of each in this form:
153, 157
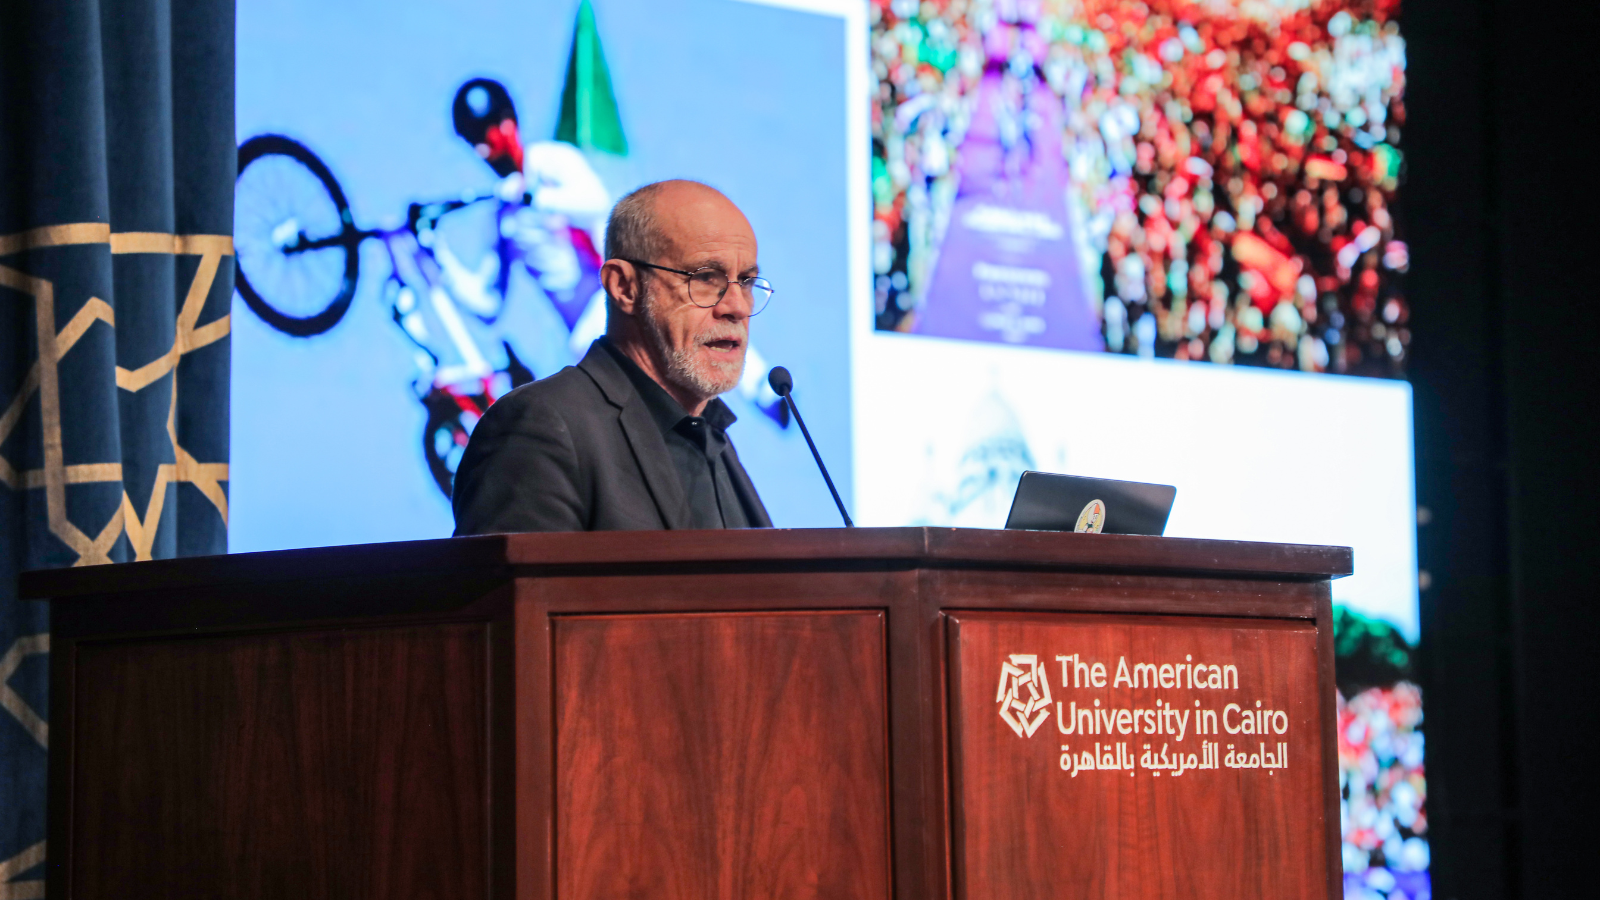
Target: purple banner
1008, 269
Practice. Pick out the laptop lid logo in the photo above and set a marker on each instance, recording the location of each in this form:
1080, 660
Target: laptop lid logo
1093, 517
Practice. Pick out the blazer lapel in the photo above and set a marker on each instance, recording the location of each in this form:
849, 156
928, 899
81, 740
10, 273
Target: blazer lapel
644, 438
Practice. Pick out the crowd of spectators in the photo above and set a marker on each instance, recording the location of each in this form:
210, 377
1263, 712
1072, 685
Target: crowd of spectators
1233, 165
1382, 794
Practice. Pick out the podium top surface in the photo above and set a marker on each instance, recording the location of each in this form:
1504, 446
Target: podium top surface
772, 549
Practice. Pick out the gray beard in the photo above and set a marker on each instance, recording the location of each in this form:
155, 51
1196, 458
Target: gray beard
681, 368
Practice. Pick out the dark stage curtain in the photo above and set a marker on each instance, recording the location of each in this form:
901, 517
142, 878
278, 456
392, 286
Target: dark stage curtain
116, 274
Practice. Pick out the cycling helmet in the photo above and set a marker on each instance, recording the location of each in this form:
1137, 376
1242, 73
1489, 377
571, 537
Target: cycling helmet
486, 118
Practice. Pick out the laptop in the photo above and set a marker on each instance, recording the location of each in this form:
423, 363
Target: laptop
1046, 502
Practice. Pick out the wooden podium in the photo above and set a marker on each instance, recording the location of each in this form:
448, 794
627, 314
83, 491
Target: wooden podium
867, 713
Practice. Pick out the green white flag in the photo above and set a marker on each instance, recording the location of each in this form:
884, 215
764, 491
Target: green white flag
589, 117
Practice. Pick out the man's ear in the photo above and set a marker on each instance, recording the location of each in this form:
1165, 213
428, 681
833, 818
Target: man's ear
621, 280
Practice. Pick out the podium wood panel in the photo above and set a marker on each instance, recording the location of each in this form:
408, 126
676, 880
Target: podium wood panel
722, 755
321, 765
1029, 828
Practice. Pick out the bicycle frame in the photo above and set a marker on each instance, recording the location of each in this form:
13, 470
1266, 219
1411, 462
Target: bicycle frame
417, 285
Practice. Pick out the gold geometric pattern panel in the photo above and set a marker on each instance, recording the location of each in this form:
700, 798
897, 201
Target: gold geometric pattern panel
42, 378
32, 889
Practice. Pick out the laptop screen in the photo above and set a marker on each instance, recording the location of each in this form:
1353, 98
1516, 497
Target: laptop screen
1046, 502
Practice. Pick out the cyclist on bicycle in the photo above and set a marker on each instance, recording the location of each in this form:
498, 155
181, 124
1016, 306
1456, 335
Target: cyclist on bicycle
556, 233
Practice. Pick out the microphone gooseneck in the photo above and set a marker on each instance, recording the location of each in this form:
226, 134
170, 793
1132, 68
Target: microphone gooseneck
782, 383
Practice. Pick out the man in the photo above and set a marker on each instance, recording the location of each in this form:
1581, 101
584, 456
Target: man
634, 437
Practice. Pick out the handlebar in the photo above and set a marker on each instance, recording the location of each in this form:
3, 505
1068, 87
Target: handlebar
433, 212
419, 216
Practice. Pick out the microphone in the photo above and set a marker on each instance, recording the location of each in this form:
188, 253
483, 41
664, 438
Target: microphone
782, 384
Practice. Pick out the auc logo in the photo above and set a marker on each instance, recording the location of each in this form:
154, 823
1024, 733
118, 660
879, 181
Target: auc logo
1024, 695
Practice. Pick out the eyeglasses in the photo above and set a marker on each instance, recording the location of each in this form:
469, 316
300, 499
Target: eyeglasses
707, 286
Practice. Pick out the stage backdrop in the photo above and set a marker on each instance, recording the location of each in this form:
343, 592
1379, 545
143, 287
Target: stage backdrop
1157, 240
422, 190
116, 205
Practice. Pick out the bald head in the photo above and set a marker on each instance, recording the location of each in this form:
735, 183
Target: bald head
655, 236
643, 224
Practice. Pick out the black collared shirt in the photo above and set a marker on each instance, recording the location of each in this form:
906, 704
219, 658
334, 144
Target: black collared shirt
696, 445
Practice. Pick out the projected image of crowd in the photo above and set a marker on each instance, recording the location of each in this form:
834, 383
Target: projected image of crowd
1383, 787
1233, 165
1383, 792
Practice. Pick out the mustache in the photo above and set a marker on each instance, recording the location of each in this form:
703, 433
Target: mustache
726, 332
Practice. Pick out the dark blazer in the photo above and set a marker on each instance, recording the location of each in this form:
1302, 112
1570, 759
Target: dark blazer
577, 451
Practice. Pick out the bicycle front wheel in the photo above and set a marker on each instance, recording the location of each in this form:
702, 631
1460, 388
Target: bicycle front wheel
293, 237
